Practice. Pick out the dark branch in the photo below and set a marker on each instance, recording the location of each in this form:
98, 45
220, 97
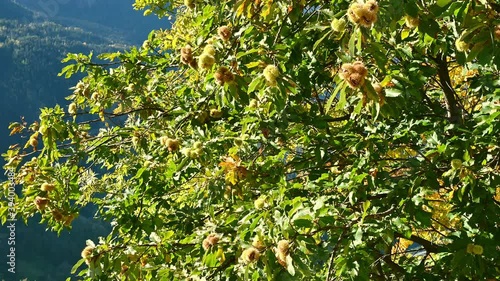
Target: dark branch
454, 112
428, 245
387, 259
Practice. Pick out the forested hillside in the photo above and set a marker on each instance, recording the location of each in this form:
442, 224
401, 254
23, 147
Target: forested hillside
30, 55
115, 18
11, 10
31, 50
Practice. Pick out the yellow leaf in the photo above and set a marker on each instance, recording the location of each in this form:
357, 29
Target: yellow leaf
386, 81
241, 9
253, 64
267, 9
231, 177
15, 130
118, 109
404, 34
220, 255
250, 11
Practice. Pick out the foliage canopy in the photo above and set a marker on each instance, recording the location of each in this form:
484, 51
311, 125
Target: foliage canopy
281, 140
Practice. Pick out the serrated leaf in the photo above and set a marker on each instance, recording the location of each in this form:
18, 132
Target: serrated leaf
352, 43
317, 43
249, 52
303, 222
77, 265
258, 81
342, 98
359, 106
333, 96
302, 267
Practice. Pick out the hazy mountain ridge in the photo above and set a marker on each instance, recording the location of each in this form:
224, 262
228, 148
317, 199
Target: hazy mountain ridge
13, 10
31, 49
30, 55
105, 17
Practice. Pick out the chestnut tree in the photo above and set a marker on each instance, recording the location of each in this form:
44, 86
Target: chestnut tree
280, 140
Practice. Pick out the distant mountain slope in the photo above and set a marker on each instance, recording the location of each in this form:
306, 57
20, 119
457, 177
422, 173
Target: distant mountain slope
99, 16
11, 10
30, 55
34, 37
30, 59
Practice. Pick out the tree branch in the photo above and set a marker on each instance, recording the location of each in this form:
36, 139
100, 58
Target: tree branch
334, 251
428, 245
454, 112
387, 259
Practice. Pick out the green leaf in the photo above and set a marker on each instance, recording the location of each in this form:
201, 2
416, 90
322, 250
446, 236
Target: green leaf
253, 64
392, 92
359, 41
423, 217
442, 3
249, 52
68, 71
255, 276
316, 45
77, 265
289, 265
257, 82
333, 96
358, 237
405, 33
302, 267
366, 206
359, 107
352, 41
343, 99
304, 222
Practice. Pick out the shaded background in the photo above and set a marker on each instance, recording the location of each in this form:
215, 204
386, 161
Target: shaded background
34, 36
